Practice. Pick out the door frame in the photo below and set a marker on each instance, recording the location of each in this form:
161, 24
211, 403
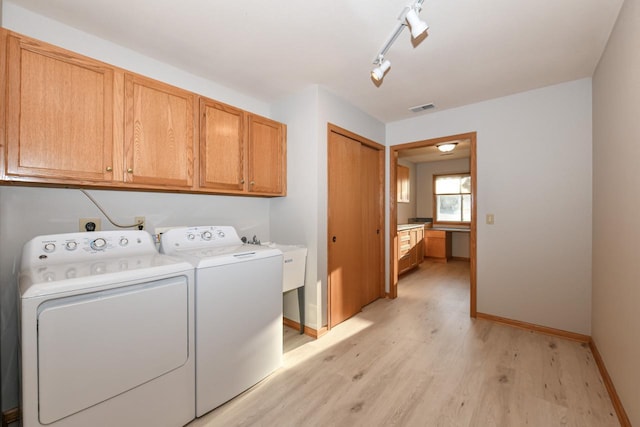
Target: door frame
381, 206
393, 212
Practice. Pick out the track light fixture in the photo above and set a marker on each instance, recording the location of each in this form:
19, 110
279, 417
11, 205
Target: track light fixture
408, 17
383, 66
417, 25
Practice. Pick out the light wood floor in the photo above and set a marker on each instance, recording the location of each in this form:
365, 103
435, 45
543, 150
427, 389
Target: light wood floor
420, 360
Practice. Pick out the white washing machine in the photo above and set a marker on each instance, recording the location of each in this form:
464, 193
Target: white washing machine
238, 310
107, 332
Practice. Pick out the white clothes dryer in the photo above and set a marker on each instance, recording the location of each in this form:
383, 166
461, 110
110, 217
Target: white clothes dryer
238, 310
107, 332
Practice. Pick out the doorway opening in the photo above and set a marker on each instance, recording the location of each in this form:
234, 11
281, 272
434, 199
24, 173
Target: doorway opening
393, 210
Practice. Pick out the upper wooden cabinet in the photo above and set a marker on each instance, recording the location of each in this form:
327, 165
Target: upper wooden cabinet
267, 154
158, 133
403, 178
59, 114
241, 152
72, 120
222, 146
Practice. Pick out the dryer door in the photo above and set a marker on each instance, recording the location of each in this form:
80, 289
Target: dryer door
95, 346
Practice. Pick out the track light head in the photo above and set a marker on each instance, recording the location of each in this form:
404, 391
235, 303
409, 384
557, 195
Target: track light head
417, 25
377, 73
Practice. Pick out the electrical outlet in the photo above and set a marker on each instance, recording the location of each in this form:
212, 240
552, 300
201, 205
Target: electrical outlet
89, 224
140, 220
490, 219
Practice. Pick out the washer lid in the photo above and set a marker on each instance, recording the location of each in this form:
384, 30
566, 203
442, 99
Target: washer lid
100, 273
215, 256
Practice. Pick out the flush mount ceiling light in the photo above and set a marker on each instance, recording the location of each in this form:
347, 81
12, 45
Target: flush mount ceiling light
408, 17
449, 146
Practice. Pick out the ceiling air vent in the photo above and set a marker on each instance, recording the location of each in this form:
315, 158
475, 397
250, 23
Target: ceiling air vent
419, 108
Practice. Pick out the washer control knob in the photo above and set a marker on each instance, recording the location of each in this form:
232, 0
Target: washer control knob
220, 234
124, 241
98, 244
71, 246
49, 247
207, 235
191, 236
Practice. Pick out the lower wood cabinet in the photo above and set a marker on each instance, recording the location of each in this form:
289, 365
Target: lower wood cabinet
410, 248
437, 245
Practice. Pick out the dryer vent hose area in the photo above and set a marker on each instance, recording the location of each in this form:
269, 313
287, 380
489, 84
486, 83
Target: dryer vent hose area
139, 224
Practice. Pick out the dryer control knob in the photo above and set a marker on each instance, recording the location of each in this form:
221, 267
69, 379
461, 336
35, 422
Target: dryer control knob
207, 235
220, 233
49, 247
98, 244
124, 241
191, 236
71, 246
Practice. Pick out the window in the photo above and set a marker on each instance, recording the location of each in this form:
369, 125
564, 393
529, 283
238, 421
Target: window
452, 198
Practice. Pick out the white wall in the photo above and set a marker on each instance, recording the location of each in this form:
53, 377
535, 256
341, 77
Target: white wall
294, 219
408, 210
307, 115
27, 212
534, 174
616, 233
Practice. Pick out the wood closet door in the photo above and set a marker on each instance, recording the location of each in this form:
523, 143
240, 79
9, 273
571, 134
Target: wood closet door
344, 226
372, 264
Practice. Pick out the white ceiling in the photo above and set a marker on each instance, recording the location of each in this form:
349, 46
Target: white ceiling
476, 50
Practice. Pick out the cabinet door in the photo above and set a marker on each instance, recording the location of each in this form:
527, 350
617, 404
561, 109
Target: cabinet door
59, 114
222, 146
404, 243
159, 133
267, 150
403, 178
414, 249
420, 244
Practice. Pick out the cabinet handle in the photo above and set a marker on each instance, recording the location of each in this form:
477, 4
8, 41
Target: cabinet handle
252, 182
242, 181
334, 239
129, 170
109, 168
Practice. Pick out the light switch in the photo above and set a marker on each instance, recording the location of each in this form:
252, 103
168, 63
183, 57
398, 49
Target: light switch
490, 219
